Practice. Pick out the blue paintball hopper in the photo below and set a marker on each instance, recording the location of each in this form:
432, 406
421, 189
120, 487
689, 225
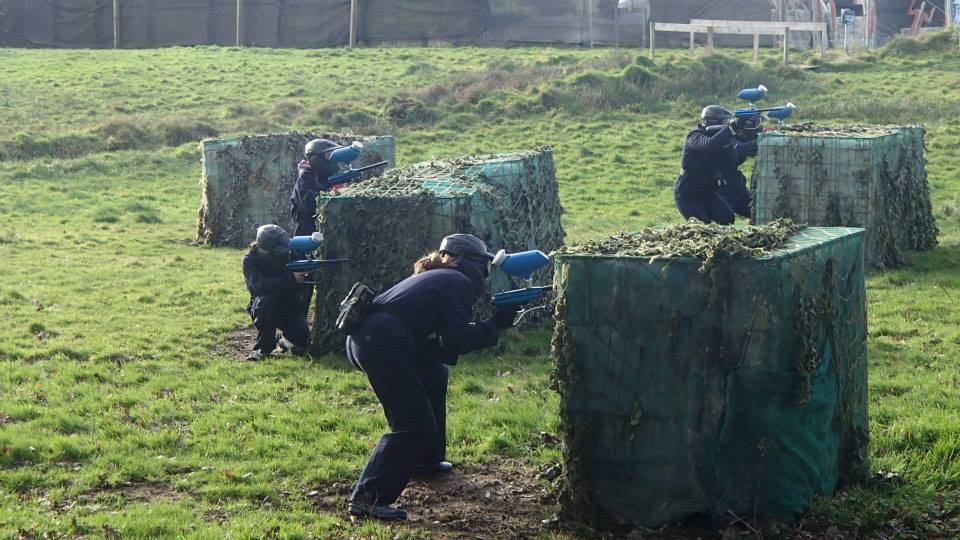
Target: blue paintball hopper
518, 297
753, 94
306, 244
782, 113
521, 265
346, 154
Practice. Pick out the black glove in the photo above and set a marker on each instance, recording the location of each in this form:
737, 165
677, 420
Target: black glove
503, 317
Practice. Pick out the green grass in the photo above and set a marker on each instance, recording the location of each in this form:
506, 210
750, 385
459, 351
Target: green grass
111, 315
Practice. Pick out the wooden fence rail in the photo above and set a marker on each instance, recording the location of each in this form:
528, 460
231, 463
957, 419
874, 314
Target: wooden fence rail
754, 28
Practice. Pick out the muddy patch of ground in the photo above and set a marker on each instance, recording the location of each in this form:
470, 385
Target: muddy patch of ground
491, 501
238, 343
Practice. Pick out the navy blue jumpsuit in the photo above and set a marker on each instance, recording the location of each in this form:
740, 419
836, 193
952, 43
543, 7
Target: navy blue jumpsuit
275, 301
415, 329
707, 154
311, 182
734, 187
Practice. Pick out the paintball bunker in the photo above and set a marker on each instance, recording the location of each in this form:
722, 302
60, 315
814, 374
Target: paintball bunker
858, 176
742, 388
385, 224
247, 181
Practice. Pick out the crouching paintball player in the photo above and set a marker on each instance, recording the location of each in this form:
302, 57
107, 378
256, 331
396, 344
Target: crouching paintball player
404, 343
276, 294
708, 154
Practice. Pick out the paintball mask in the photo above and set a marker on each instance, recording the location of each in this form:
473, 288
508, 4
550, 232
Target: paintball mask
317, 152
472, 257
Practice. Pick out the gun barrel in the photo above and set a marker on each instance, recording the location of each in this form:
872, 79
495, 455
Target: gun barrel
353, 174
310, 265
517, 297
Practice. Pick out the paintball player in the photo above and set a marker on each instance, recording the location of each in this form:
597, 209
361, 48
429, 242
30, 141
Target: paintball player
708, 153
412, 332
313, 172
275, 294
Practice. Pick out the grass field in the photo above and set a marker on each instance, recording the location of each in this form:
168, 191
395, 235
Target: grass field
120, 416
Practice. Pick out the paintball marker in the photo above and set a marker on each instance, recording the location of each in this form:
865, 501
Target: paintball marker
521, 265
346, 155
308, 245
750, 119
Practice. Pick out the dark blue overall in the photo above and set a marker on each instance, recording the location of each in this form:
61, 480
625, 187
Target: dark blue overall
707, 154
415, 330
275, 301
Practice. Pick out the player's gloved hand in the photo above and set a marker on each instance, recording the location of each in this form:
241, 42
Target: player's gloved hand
504, 316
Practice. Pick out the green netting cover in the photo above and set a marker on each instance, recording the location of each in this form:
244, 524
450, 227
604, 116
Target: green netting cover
247, 181
384, 224
742, 388
855, 176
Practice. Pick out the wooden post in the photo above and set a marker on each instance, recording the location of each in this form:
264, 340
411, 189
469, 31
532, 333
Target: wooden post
786, 45
116, 24
653, 39
353, 22
240, 23
710, 38
756, 48
824, 39
948, 7
866, 23
589, 9
280, 7
692, 46
783, 10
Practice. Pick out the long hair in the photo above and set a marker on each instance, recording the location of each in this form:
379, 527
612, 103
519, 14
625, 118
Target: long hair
433, 261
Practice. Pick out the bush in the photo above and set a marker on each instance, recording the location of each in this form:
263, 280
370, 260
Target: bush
176, 131
121, 133
405, 111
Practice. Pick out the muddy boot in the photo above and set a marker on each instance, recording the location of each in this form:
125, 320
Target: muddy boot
384, 512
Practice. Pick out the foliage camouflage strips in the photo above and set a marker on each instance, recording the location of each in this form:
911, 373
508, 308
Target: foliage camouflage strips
713, 370
872, 177
384, 224
247, 181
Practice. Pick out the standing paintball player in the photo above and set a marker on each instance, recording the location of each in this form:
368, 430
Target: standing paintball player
312, 175
312, 179
274, 294
404, 344
708, 154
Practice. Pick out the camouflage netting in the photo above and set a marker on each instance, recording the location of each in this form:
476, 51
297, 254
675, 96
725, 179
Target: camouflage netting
710, 370
385, 224
856, 176
247, 181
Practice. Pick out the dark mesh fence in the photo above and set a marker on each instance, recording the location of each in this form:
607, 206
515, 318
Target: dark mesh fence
321, 23
325, 23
